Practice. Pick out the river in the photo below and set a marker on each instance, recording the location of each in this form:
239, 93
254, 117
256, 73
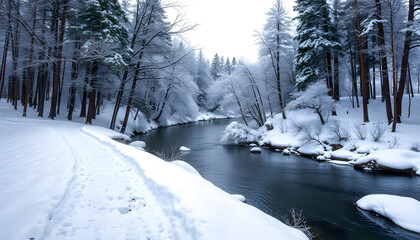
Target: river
274, 183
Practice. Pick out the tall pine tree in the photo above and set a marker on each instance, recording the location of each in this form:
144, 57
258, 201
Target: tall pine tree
315, 41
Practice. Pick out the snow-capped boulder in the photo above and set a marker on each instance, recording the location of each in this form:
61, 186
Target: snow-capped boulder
138, 144
183, 148
253, 145
397, 160
255, 150
403, 211
239, 197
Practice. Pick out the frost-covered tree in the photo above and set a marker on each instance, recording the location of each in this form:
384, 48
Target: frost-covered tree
276, 44
216, 66
314, 43
315, 97
203, 79
101, 24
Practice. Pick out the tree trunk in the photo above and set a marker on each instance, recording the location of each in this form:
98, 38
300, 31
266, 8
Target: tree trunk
394, 73
92, 93
28, 76
404, 62
362, 67
384, 63
5, 49
84, 95
74, 73
130, 97
57, 68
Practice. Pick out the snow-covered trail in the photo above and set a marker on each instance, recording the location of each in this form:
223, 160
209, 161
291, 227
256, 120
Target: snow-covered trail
106, 195
63, 180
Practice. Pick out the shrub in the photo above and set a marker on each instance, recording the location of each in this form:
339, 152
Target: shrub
415, 147
238, 133
393, 142
377, 132
298, 221
170, 154
360, 131
340, 132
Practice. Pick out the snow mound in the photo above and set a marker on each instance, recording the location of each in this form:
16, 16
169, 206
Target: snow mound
403, 211
255, 150
239, 197
347, 163
186, 166
391, 159
183, 148
253, 145
138, 144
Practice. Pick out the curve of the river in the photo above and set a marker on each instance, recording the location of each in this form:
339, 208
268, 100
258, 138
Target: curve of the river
274, 183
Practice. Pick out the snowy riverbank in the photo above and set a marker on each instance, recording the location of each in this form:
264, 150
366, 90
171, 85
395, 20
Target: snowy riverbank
65, 180
343, 140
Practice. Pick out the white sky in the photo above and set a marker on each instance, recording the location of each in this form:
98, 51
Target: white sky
227, 27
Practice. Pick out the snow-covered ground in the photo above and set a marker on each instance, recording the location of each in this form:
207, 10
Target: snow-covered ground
65, 180
302, 132
403, 211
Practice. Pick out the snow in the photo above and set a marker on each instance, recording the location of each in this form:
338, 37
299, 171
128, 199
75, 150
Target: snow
186, 166
138, 144
64, 180
399, 159
394, 151
255, 150
403, 211
183, 148
340, 162
239, 197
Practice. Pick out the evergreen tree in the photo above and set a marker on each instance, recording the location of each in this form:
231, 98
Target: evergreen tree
203, 79
215, 67
228, 67
314, 42
101, 24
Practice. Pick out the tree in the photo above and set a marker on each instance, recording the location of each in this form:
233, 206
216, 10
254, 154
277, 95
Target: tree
106, 40
405, 56
314, 43
315, 97
203, 79
215, 67
276, 43
362, 66
384, 62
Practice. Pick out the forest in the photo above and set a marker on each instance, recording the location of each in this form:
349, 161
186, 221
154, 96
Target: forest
75, 57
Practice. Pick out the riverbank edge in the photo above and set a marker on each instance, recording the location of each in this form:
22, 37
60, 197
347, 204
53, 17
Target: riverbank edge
371, 166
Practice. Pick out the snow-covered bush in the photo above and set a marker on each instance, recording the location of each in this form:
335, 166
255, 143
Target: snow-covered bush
297, 126
415, 147
314, 97
312, 135
360, 130
339, 131
238, 133
298, 221
393, 142
377, 132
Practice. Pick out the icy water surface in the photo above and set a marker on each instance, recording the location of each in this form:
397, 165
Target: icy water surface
275, 183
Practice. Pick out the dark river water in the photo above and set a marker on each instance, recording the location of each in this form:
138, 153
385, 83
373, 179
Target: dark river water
325, 193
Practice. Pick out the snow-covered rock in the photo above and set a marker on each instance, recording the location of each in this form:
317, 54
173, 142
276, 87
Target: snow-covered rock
253, 145
138, 144
239, 197
403, 211
347, 163
398, 160
183, 148
186, 166
255, 150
